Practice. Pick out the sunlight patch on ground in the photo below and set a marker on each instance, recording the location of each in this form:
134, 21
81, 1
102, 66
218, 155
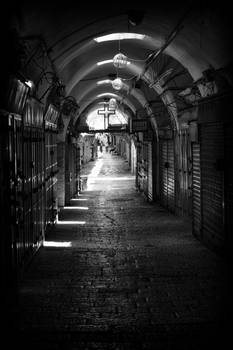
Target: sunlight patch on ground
79, 199
56, 244
109, 178
77, 208
71, 222
94, 173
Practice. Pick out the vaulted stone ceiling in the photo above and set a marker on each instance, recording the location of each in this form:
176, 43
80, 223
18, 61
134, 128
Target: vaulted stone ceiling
194, 38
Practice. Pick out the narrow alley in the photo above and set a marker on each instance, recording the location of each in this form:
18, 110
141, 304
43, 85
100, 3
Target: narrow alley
118, 272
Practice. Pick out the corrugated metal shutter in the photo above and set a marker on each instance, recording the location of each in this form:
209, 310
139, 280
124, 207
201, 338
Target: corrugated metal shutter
150, 172
184, 173
163, 172
167, 174
212, 154
196, 190
170, 176
145, 168
229, 183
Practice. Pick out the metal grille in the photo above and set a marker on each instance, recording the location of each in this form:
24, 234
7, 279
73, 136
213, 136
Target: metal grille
145, 169
150, 172
212, 176
51, 170
196, 190
184, 174
167, 173
229, 182
24, 166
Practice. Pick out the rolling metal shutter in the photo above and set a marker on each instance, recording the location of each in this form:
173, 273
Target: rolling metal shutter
229, 184
167, 174
196, 190
145, 168
150, 172
170, 176
163, 172
184, 198
212, 176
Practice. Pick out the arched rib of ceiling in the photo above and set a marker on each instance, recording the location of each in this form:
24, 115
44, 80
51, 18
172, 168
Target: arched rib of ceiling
194, 55
134, 68
202, 42
93, 100
94, 108
137, 94
91, 46
107, 85
166, 96
195, 48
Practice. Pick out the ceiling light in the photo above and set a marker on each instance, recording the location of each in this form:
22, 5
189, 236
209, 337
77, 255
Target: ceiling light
100, 82
117, 84
120, 60
105, 94
119, 36
112, 103
103, 62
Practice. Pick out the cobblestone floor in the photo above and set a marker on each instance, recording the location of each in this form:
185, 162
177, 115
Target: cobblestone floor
131, 276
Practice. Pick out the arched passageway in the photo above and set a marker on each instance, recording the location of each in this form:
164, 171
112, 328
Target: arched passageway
126, 274
141, 96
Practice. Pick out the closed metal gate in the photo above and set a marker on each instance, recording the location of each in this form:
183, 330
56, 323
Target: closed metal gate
196, 190
23, 177
229, 185
184, 183
150, 172
167, 173
24, 159
33, 156
70, 171
7, 221
142, 168
50, 165
145, 168
212, 177
16, 186
27, 185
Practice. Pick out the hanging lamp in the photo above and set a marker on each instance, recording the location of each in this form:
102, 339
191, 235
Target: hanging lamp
120, 60
117, 84
112, 103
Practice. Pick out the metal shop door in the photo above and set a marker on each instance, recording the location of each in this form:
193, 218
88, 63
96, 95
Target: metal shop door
212, 182
167, 173
228, 184
152, 173
184, 183
196, 190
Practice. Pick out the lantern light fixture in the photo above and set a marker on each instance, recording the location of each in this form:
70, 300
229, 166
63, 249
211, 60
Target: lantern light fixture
112, 103
117, 84
120, 60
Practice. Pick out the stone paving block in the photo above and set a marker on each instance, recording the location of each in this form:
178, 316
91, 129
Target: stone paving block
133, 277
